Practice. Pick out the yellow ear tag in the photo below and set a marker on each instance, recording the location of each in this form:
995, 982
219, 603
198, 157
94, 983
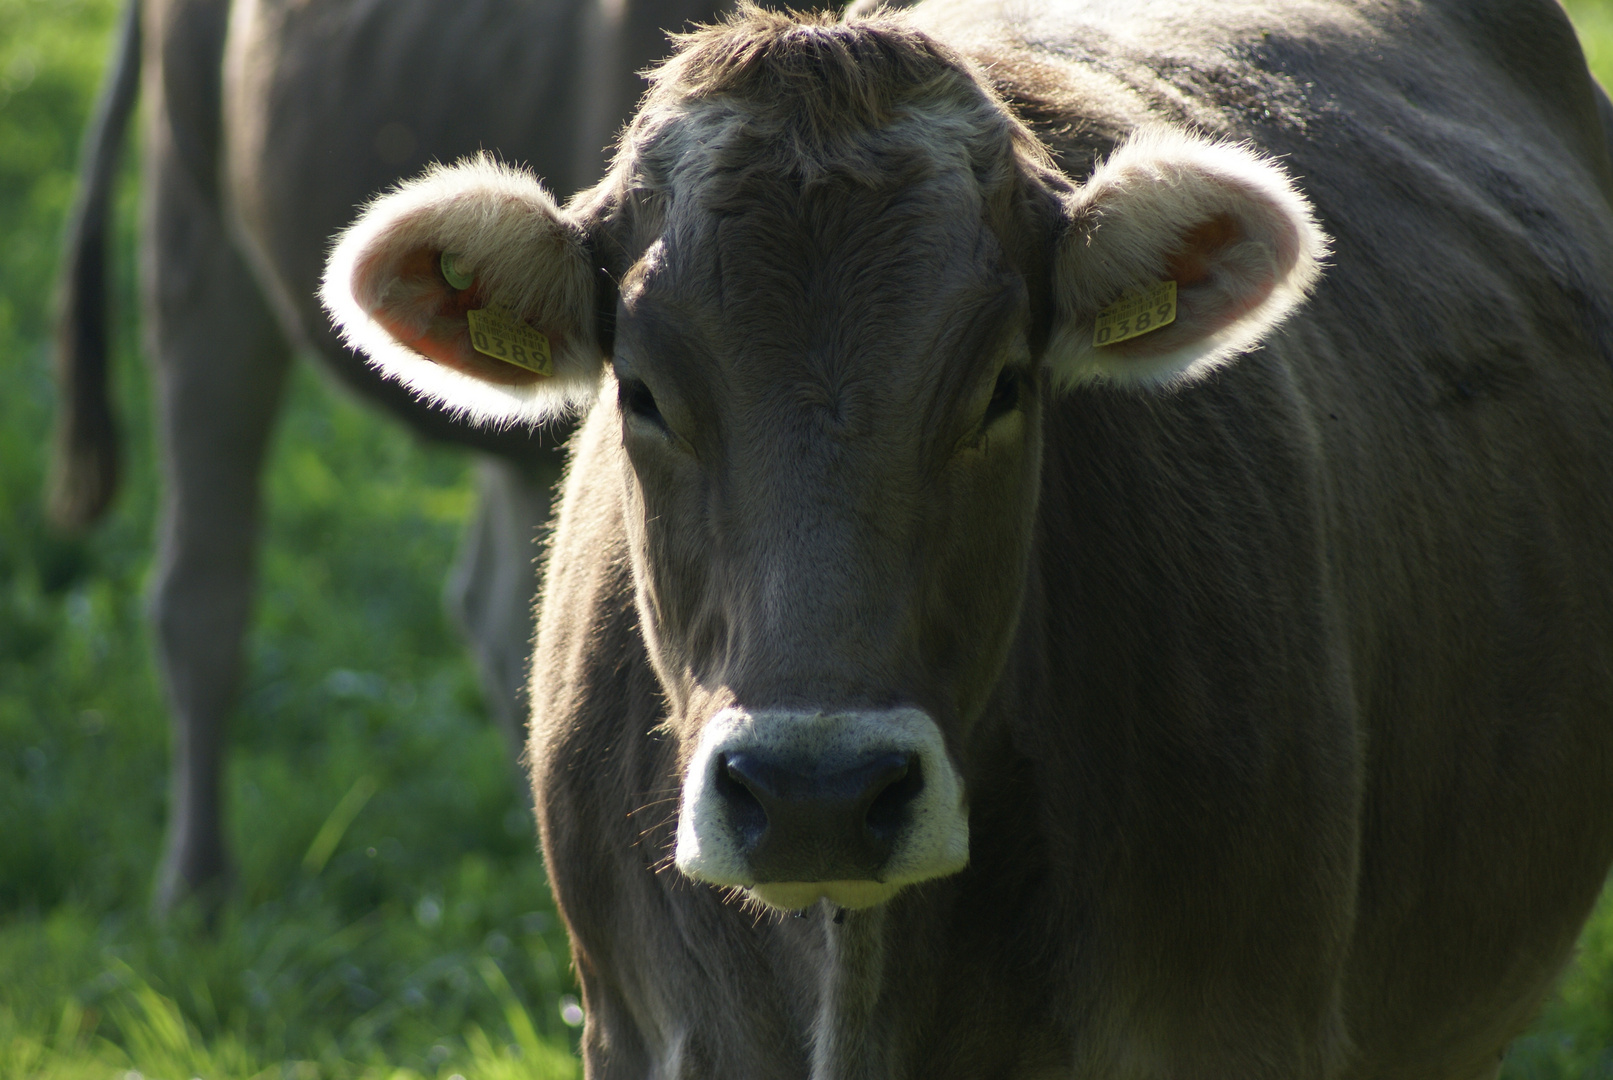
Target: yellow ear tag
496, 332
1136, 313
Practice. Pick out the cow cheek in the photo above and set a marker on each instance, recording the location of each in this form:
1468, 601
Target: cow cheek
976, 577
671, 571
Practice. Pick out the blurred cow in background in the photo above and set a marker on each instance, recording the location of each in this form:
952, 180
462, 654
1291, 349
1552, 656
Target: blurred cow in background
267, 123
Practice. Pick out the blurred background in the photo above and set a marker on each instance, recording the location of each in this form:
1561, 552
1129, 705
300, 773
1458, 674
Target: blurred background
391, 917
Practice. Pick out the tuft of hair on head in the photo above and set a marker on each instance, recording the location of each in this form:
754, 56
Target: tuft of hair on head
807, 91
761, 98
834, 74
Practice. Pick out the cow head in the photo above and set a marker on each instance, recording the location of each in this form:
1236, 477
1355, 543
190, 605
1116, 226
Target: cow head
825, 291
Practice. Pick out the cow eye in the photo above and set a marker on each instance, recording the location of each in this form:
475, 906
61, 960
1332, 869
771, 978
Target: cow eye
1004, 396
632, 396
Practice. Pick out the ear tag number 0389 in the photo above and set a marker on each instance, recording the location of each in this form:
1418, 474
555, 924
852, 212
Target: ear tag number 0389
496, 332
1136, 313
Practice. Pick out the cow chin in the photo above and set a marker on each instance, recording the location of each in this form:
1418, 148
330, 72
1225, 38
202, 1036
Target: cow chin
798, 895
796, 807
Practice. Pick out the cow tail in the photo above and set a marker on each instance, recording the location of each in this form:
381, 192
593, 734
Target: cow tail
85, 466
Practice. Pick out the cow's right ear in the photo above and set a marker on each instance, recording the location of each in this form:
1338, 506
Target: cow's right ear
473, 288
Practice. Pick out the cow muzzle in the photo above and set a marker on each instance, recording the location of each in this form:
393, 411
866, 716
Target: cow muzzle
797, 807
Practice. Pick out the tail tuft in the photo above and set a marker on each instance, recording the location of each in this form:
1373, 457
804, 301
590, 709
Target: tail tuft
84, 467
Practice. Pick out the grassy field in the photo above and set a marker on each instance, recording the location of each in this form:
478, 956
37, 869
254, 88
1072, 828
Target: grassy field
391, 919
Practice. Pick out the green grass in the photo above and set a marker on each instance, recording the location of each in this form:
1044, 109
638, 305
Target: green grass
391, 917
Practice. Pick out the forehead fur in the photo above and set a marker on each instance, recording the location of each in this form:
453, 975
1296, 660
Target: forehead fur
805, 97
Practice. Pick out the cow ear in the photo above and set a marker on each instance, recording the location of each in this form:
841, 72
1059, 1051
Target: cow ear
1220, 226
473, 288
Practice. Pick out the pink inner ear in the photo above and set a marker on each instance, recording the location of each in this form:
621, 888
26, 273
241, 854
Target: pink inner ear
1191, 264
440, 308
1216, 288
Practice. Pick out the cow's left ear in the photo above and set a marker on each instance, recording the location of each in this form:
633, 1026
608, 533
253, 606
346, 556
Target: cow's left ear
473, 288
1220, 226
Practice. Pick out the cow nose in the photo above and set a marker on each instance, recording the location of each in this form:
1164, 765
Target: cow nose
802, 824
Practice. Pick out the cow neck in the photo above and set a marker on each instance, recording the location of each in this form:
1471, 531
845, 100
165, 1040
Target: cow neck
848, 1042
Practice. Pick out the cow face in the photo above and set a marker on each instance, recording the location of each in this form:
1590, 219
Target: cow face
844, 279
831, 490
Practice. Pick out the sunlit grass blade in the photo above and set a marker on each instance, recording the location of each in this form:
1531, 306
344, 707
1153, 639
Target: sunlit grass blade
336, 825
539, 1060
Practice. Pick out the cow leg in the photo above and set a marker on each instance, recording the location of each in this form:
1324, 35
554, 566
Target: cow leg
219, 365
493, 583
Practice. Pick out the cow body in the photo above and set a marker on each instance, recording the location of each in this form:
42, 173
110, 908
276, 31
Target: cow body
1278, 698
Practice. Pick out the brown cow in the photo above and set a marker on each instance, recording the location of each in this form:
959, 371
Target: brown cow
1231, 699
267, 123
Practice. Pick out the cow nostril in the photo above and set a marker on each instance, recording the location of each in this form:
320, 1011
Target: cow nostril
887, 813
799, 822
745, 811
